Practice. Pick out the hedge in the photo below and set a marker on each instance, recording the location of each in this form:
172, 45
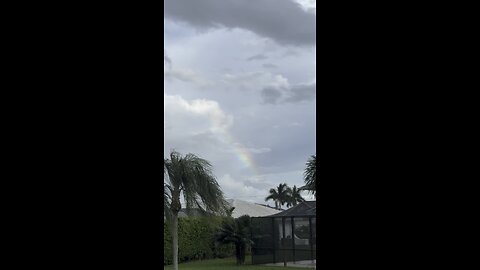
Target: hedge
195, 240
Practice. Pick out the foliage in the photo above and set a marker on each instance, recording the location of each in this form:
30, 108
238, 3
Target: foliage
230, 211
193, 178
196, 240
295, 197
280, 195
310, 175
284, 194
237, 232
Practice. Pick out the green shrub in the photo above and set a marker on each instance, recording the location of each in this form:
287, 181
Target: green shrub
196, 240
167, 245
224, 251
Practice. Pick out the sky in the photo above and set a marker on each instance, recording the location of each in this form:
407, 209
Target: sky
240, 89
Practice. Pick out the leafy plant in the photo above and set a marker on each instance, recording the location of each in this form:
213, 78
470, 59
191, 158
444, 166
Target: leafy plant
197, 240
310, 175
236, 232
280, 195
295, 197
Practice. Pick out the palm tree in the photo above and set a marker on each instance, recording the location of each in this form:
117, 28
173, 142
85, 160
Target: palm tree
236, 231
295, 197
310, 175
191, 176
280, 195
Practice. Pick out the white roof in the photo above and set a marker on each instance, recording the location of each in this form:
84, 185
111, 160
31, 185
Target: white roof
251, 209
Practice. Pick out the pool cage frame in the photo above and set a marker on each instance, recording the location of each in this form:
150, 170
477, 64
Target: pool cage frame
283, 237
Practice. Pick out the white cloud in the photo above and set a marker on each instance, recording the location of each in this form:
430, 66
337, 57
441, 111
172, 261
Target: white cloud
254, 81
185, 75
308, 5
186, 118
237, 189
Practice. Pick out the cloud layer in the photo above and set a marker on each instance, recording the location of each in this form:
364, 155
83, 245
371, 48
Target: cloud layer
281, 20
240, 89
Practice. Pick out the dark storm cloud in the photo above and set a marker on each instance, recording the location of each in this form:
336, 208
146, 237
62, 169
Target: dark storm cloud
167, 59
268, 65
281, 20
304, 92
271, 95
301, 144
257, 57
294, 94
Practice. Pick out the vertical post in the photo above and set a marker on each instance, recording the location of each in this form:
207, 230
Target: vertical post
273, 239
283, 243
251, 237
293, 238
175, 241
311, 237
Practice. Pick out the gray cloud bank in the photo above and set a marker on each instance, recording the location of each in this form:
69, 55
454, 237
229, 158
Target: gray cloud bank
257, 57
166, 59
281, 20
242, 85
293, 94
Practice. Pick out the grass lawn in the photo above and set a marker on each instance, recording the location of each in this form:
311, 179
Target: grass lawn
225, 264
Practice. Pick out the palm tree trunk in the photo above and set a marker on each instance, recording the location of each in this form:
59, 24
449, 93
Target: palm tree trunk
176, 206
242, 253
237, 253
175, 240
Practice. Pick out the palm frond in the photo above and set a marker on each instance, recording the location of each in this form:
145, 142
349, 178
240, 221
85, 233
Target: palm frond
310, 175
193, 177
270, 197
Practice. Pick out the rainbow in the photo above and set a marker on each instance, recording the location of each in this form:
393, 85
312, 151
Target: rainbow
242, 153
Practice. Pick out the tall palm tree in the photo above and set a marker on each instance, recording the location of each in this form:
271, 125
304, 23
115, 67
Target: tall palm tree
280, 195
310, 175
236, 231
295, 197
191, 176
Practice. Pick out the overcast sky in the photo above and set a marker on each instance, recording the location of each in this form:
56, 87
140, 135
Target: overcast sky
240, 89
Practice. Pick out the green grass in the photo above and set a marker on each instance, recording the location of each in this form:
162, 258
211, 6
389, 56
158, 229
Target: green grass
225, 264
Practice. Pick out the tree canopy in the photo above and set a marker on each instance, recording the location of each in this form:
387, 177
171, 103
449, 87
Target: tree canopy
193, 178
310, 175
280, 195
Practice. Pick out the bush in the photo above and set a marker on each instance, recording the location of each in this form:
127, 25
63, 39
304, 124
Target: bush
195, 240
224, 251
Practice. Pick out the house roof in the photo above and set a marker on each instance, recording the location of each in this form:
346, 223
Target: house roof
251, 209
307, 208
241, 208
